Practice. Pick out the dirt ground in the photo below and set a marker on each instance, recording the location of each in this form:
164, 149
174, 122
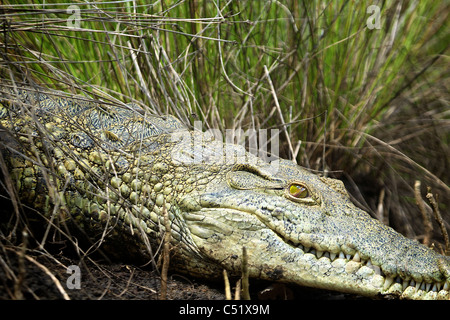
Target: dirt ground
45, 276
42, 276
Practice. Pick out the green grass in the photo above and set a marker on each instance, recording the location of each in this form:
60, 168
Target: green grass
369, 106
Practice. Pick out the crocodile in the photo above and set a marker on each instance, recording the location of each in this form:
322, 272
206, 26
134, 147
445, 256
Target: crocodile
126, 178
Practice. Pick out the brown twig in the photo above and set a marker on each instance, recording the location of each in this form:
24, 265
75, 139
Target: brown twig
50, 274
227, 285
425, 216
166, 255
21, 266
237, 290
438, 217
245, 285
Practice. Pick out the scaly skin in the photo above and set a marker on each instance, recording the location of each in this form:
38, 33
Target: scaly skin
115, 171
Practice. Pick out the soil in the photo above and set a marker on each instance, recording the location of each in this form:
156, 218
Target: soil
44, 276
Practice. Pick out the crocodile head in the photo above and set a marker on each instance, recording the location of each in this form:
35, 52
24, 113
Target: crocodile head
301, 228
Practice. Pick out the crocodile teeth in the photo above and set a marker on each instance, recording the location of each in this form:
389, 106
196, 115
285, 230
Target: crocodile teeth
377, 269
388, 282
405, 284
355, 256
418, 285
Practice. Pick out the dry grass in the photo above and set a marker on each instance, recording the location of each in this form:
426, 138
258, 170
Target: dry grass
367, 106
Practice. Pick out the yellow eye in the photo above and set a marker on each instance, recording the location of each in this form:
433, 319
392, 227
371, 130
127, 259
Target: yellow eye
298, 191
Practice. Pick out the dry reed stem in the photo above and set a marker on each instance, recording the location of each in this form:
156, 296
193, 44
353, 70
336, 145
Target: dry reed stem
166, 254
50, 274
237, 291
440, 221
280, 113
227, 285
245, 283
425, 217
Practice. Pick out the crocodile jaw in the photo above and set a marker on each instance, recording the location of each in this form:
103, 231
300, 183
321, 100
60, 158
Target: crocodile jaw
282, 262
218, 241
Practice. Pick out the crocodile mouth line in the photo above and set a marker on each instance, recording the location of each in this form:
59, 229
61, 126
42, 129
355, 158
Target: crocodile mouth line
352, 260
392, 283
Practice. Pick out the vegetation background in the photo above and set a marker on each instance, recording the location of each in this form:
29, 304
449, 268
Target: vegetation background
366, 105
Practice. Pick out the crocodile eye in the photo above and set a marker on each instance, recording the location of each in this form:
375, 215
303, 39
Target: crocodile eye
298, 191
